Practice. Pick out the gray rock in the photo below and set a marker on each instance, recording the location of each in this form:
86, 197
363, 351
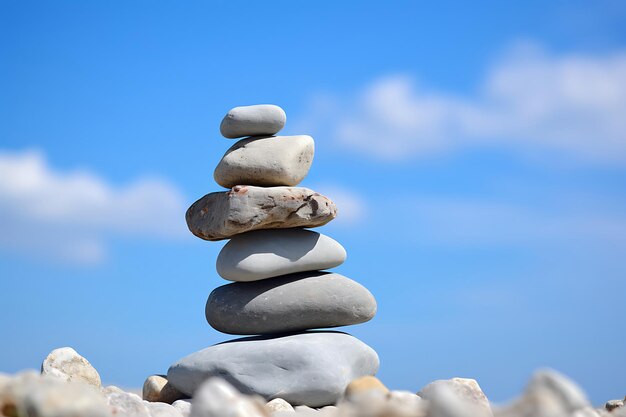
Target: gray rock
549, 394
217, 398
66, 364
266, 161
222, 215
269, 253
467, 390
311, 368
260, 119
289, 303
613, 404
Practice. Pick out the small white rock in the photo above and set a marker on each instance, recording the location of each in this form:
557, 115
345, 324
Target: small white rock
548, 394
445, 400
66, 364
158, 409
217, 398
466, 390
260, 119
303, 410
405, 399
28, 394
278, 404
183, 406
127, 403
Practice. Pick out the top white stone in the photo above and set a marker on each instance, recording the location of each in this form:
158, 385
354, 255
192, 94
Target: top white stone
261, 119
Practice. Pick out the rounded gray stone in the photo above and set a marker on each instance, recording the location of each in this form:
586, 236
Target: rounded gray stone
260, 119
289, 303
311, 368
264, 254
266, 161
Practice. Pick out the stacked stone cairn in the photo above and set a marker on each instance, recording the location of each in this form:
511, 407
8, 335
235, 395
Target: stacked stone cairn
280, 291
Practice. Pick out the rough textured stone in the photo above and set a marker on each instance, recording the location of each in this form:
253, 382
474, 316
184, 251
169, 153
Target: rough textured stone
260, 119
549, 394
278, 404
127, 404
311, 368
447, 400
269, 253
295, 302
467, 390
266, 161
217, 398
363, 385
66, 364
222, 215
613, 404
33, 395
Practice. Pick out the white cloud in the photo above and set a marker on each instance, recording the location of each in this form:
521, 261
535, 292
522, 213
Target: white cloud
70, 216
529, 100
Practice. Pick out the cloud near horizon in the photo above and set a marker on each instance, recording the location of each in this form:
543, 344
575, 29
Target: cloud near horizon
69, 216
529, 100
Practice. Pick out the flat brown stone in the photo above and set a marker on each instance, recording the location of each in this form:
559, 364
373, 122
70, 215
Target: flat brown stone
221, 215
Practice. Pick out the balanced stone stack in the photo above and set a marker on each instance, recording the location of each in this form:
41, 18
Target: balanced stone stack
279, 291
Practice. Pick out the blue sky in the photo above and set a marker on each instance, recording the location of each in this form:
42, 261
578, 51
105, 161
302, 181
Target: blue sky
476, 152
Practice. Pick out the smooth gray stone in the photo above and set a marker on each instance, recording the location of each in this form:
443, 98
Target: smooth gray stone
222, 215
311, 368
294, 302
266, 161
269, 253
260, 119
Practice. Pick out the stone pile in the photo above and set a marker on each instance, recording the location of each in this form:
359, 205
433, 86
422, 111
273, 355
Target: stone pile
69, 386
281, 290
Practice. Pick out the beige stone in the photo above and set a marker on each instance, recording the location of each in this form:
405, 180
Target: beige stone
364, 384
221, 215
156, 388
266, 161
